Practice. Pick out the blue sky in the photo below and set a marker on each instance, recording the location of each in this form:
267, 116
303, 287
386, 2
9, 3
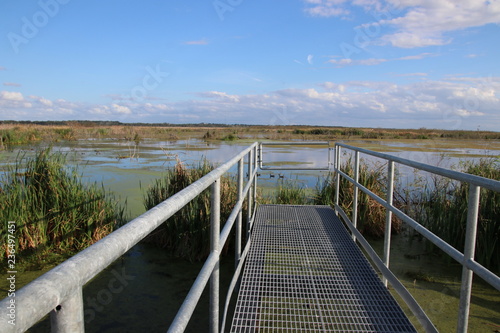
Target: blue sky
360, 63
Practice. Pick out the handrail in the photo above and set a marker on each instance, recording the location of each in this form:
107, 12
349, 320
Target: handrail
302, 143
490, 184
466, 259
62, 286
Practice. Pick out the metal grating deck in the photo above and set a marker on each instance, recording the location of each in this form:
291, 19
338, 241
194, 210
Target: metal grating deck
304, 273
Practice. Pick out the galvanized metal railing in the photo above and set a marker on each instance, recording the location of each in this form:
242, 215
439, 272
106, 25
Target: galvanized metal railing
466, 259
59, 292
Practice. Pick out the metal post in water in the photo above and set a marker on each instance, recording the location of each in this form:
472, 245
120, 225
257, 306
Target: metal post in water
356, 190
68, 316
214, 247
388, 217
237, 253
469, 251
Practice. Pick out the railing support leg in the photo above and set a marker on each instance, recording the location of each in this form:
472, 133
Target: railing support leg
214, 247
356, 190
337, 181
388, 217
469, 251
255, 161
68, 317
249, 195
239, 219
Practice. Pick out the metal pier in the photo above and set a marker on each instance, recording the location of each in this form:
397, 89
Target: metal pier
303, 272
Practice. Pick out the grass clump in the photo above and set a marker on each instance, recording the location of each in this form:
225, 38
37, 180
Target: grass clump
187, 233
442, 208
53, 210
290, 194
371, 215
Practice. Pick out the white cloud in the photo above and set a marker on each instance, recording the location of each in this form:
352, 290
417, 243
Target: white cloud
456, 102
11, 96
425, 22
375, 61
196, 42
417, 23
11, 84
326, 8
120, 109
45, 102
219, 95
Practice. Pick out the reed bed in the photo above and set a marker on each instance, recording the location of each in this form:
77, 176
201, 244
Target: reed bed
54, 212
187, 233
288, 193
371, 215
441, 205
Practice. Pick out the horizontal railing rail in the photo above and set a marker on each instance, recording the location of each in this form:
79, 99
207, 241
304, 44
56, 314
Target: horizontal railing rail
466, 259
59, 291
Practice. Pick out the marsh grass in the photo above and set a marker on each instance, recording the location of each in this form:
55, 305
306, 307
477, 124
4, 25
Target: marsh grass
187, 233
54, 212
14, 133
371, 215
288, 193
441, 205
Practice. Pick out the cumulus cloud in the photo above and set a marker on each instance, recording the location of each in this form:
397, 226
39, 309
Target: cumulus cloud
121, 109
416, 23
326, 8
11, 96
454, 102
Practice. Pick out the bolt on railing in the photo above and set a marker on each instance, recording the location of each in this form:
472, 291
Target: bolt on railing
469, 265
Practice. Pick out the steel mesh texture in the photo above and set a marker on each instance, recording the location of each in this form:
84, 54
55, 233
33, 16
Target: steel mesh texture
304, 273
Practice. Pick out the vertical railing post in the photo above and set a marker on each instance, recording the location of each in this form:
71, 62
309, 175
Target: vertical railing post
255, 157
68, 317
249, 195
356, 190
214, 247
337, 185
388, 217
469, 251
237, 246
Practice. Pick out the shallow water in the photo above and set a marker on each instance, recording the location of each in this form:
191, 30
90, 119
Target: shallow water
154, 284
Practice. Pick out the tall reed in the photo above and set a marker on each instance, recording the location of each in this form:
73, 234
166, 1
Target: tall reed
289, 193
442, 208
187, 233
53, 210
371, 215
